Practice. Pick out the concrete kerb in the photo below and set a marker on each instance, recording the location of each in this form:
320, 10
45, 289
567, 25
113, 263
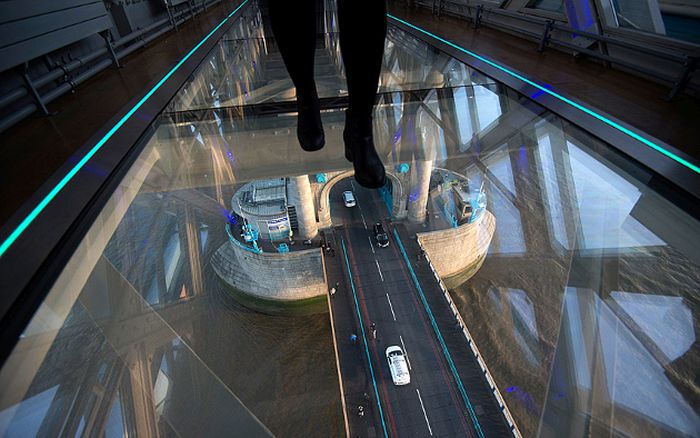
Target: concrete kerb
475, 350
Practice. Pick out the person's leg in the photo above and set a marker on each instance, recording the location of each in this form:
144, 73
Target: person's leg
362, 32
294, 27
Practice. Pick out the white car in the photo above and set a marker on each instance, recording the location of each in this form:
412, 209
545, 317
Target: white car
398, 365
349, 198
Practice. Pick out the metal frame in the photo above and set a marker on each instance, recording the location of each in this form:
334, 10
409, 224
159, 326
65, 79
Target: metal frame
66, 210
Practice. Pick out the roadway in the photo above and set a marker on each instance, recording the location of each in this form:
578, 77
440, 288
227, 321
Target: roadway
431, 405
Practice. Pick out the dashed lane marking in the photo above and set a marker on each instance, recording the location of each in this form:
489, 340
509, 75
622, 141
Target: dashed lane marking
405, 352
379, 269
393, 315
425, 415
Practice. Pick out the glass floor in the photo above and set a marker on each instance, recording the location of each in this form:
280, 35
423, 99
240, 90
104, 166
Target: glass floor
585, 308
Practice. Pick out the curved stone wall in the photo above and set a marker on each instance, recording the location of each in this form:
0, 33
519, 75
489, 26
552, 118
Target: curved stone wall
280, 277
459, 251
324, 209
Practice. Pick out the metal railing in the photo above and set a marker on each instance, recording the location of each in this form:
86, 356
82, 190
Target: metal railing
479, 14
108, 55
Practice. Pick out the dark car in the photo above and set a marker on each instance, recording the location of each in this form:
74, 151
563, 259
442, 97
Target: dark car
380, 235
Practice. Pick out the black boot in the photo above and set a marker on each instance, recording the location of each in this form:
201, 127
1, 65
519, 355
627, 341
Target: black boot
309, 127
359, 149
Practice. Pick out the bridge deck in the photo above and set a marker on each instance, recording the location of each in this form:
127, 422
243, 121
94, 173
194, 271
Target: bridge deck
448, 394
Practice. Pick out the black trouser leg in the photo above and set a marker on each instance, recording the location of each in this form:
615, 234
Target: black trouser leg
362, 32
293, 24
362, 26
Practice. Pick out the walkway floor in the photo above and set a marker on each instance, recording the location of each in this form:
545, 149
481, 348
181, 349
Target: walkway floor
35, 148
634, 100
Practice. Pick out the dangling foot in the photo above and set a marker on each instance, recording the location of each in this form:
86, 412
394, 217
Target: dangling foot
359, 149
309, 127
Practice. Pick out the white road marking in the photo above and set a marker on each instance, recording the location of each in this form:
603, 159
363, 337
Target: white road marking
371, 245
393, 315
425, 415
408, 361
352, 185
379, 269
363, 220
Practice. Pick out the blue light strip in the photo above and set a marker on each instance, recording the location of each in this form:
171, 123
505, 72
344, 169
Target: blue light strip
364, 339
66, 179
445, 351
578, 106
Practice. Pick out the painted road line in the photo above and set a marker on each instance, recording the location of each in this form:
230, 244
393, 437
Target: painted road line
405, 352
393, 315
371, 246
379, 269
425, 415
363, 220
364, 339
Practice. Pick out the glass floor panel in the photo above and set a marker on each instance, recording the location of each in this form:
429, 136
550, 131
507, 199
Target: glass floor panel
584, 307
247, 69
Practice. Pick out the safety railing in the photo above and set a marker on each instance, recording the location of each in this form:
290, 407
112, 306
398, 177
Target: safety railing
75, 72
480, 14
239, 243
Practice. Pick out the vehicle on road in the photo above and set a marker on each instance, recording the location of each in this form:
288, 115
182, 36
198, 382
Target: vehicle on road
349, 198
380, 235
398, 365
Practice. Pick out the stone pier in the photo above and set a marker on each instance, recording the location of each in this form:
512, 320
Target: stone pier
301, 197
461, 250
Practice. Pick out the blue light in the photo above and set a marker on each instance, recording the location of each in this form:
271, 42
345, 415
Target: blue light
61, 184
539, 93
576, 105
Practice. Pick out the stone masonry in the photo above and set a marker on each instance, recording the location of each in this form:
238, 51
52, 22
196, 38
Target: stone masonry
455, 250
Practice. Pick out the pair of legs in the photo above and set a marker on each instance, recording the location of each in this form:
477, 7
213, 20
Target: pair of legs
362, 26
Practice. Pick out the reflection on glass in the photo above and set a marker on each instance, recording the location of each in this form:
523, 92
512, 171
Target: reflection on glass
677, 19
585, 307
547, 5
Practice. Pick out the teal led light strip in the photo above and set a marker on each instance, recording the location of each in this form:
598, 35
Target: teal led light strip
445, 350
52, 194
364, 340
578, 106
